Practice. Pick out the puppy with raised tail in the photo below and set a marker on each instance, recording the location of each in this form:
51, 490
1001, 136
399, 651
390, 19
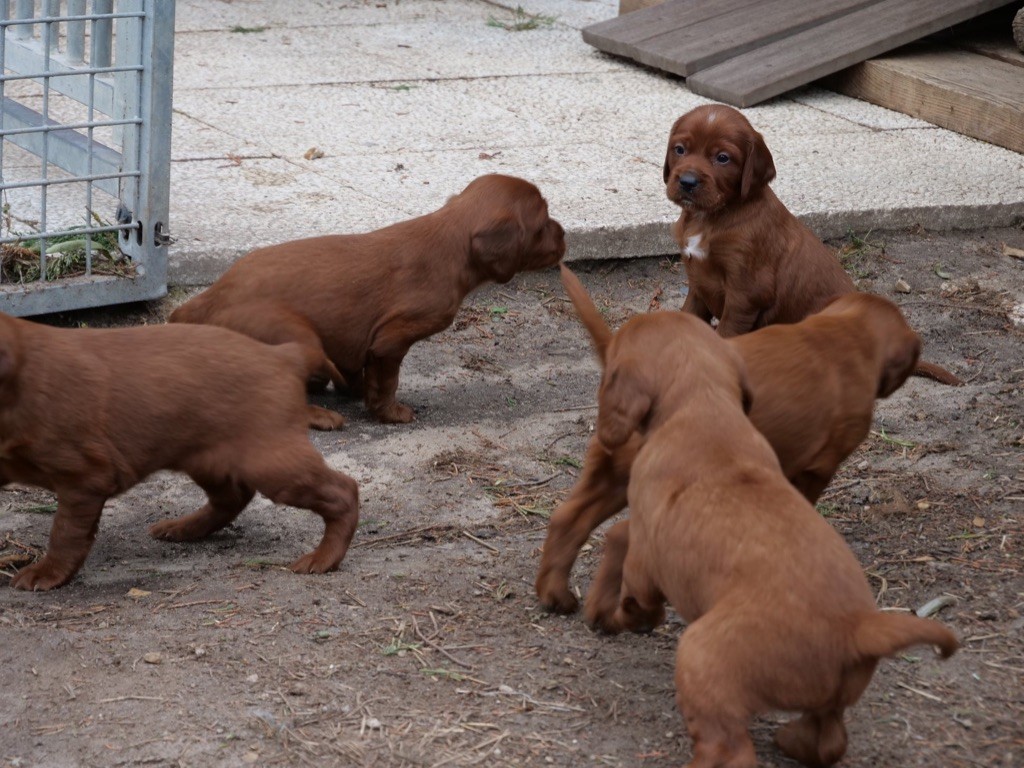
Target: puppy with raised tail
814, 385
749, 261
781, 616
357, 303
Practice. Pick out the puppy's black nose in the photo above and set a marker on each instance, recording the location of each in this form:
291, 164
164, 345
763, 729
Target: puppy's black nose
689, 182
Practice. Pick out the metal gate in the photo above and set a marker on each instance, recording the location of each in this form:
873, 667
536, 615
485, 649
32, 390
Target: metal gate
85, 149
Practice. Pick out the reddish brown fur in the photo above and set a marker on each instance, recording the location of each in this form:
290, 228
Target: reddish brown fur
780, 614
358, 302
760, 264
813, 386
90, 413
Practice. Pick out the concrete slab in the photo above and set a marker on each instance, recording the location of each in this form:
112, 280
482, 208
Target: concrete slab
222, 15
244, 204
410, 100
356, 120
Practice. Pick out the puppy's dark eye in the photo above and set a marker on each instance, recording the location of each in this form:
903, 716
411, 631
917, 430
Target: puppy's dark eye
679, 149
721, 158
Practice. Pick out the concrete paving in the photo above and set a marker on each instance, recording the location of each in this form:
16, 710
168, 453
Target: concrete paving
409, 100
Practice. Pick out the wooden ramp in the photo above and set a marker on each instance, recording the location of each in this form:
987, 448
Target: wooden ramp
745, 51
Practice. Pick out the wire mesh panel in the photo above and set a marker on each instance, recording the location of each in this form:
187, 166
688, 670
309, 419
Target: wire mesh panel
85, 129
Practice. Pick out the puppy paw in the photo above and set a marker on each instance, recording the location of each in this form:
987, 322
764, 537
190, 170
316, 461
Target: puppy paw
317, 562
40, 577
557, 599
396, 413
324, 419
173, 530
603, 617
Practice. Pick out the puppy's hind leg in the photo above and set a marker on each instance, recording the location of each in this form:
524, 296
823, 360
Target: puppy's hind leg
278, 324
381, 384
711, 703
227, 498
606, 589
71, 537
641, 601
816, 739
298, 476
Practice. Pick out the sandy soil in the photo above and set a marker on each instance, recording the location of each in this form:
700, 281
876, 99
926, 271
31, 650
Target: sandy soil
428, 647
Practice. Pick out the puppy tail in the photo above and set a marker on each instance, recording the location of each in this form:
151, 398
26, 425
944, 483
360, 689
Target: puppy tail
936, 373
589, 315
881, 634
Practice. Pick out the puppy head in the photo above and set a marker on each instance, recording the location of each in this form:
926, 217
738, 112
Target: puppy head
715, 158
897, 345
512, 230
654, 364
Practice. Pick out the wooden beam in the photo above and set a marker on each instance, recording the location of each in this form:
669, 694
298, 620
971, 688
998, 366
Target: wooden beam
822, 50
965, 92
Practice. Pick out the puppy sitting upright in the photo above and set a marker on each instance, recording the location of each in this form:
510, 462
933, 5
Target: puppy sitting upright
749, 261
358, 302
780, 614
90, 413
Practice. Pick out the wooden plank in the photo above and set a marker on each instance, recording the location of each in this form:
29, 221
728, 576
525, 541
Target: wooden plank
727, 35
621, 34
1000, 48
962, 91
794, 61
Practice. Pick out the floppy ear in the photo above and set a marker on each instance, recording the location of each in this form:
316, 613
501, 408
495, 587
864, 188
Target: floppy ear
758, 168
667, 170
899, 364
622, 407
497, 249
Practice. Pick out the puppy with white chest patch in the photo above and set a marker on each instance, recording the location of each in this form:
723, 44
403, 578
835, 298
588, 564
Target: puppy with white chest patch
749, 261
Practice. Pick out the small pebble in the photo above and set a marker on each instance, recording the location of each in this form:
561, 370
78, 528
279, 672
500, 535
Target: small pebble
153, 658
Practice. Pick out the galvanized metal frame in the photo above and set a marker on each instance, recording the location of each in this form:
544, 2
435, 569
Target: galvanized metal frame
128, 88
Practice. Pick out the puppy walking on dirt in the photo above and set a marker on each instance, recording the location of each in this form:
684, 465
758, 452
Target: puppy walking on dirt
813, 383
357, 303
781, 616
90, 413
749, 261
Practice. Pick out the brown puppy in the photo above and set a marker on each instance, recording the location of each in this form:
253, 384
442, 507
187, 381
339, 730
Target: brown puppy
780, 614
749, 261
90, 413
358, 302
814, 385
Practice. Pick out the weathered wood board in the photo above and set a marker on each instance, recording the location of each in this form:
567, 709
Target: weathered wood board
967, 92
779, 66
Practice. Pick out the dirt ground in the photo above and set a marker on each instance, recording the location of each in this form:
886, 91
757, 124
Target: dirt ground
428, 647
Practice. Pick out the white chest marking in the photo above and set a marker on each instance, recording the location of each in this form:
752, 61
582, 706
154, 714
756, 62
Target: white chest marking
693, 249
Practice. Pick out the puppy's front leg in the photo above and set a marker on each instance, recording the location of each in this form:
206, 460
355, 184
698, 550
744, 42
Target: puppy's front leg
598, 494
381, 382
71, 537
694, 305
738, 317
